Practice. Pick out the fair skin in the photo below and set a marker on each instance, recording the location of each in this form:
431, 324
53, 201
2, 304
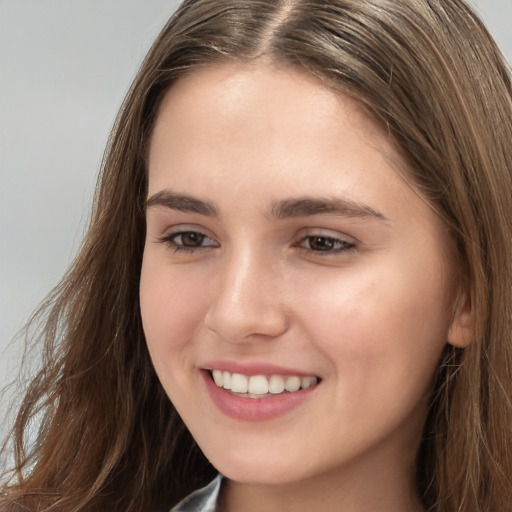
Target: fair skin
351, 290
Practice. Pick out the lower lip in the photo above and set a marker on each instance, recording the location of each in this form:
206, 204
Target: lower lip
254, 409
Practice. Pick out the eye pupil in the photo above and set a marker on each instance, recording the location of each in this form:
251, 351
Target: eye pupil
321, 243
191, 239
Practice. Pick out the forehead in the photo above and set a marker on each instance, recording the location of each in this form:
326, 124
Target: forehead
228, 89
257, 101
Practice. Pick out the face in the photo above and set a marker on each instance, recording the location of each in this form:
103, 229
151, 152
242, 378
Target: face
287, 260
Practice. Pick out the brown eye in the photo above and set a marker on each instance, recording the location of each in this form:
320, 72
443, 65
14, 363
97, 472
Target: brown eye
188, 241
325, 244
322, 243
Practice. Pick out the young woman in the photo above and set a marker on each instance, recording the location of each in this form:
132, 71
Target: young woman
298, 274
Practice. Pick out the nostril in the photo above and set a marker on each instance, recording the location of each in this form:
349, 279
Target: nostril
235, 325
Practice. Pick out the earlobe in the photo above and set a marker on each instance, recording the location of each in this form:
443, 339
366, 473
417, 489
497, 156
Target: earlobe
462, 329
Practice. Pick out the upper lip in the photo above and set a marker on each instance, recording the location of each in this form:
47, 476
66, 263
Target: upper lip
254, 368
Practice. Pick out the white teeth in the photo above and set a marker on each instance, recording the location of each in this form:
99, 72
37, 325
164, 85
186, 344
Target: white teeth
217, 377
226, 380
307, 382
238, 383
292, 384
276, 384
257, 386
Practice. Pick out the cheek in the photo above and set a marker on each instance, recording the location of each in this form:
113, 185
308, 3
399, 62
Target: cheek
379, 326
171, 310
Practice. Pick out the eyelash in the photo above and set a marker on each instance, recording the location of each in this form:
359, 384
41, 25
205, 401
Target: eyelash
333, 245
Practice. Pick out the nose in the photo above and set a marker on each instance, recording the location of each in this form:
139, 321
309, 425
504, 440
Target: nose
248, 302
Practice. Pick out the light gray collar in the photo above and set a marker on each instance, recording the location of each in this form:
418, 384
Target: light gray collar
202, 500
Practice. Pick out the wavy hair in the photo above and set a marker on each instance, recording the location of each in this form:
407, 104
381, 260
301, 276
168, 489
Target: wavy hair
430, 74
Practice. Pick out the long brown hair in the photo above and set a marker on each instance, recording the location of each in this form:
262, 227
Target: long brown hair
430, 74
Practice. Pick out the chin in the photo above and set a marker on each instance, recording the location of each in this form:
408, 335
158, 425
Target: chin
261, 467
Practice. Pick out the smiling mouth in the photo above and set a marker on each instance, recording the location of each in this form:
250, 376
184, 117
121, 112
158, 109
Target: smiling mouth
261, 386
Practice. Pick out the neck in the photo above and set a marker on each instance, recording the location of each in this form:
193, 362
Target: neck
388, 486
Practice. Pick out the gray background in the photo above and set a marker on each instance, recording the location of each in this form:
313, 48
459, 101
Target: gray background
65, 66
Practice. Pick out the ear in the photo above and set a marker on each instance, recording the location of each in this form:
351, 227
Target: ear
462, 329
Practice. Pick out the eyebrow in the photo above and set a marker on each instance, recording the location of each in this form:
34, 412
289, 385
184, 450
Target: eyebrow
288, 208
182, 202
306, 206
